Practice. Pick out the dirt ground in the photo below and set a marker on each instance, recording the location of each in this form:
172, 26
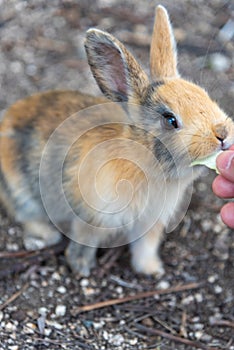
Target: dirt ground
41, 48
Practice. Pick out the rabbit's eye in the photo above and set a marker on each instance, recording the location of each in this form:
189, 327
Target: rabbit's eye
170, 121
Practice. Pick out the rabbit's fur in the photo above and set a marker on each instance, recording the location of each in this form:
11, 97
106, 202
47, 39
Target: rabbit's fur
171, 118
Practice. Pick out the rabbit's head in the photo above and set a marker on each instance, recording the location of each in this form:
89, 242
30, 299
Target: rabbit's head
180, 114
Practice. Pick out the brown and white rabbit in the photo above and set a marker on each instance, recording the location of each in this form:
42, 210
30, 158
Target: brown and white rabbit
171, 122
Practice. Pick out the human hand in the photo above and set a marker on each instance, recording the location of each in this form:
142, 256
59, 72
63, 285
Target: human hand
223, 184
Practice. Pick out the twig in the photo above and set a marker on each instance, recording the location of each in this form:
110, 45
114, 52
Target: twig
50, 341
123, 283
229, 343
80, 341
109, 260
62, 344
162, 323
142, 295
28, 253
174, 338
13, 297
139, 335
18, 254
183, 330
23, 259
224, 323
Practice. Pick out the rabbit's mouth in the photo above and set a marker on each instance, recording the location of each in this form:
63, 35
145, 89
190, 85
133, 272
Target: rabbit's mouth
209, 162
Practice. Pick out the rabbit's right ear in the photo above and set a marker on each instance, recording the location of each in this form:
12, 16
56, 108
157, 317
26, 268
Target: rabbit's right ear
163, 54
116, 71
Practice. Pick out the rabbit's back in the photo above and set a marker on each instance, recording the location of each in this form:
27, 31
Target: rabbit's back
25, 130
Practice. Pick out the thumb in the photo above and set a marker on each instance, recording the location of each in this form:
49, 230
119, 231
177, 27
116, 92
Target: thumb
225, 164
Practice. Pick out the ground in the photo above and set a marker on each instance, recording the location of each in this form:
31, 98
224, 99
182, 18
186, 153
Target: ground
41, 48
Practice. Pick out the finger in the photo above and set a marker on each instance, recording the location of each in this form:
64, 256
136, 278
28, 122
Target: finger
222, 187
227, 214
225, 164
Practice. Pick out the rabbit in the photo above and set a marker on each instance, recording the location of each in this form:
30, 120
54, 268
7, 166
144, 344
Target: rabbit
167, 122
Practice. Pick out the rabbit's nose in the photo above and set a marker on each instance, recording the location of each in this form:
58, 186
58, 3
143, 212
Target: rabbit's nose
221, 134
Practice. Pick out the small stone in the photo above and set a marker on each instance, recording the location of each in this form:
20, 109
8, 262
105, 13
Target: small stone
56, 276
34, 283
189, 299
206, 225
198, 334
47, 332
61, 290
30, 313
29, 328
199, 297
41, 323
206, 338
133, 341
12, 247
13, 347
98, 325
219, 62
212, 278
84, 282
119, 290
43, 311
218, 289
51, 294
11, 231
105, 335
84, 333
1, 316
163, 285
116, 340
60, 310
217, 228
88, 291
227, 31
55, 324
198, 326
10, 327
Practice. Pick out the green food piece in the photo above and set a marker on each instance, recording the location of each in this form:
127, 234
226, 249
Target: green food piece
209, 161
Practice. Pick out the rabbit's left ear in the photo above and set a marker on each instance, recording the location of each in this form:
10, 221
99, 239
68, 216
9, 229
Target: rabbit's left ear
163, 56
116, 71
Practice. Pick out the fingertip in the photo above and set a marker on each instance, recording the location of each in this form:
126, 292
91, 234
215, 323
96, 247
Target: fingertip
222, 187
225, 164
227, 214
215, 185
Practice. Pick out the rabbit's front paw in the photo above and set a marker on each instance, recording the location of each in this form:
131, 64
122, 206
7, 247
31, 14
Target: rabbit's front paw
150, 266
38, 235
33, 243
80, 258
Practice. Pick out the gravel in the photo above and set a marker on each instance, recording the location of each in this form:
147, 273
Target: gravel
42, 48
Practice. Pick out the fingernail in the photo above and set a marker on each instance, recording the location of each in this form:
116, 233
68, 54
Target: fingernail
225, 160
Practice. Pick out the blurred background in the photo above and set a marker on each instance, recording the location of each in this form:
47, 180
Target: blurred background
42, 48
41, 42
